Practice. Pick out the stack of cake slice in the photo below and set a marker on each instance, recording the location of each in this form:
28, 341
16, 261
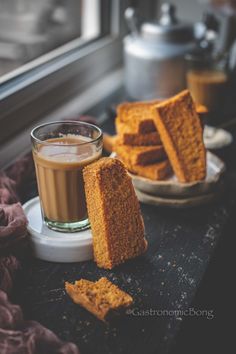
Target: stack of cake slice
138, 142
156, 137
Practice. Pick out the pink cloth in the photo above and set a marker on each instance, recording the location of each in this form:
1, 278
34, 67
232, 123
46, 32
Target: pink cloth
17, 335
28, 337
12, 226
9, 265
22, 171
8, 193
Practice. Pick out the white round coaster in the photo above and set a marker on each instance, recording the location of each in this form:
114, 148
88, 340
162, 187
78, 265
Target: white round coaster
54, 246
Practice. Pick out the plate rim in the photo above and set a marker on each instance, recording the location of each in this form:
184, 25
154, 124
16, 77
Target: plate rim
187, 202
211, 180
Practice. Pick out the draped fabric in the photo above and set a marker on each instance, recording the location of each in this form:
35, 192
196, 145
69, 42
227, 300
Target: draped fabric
16, 334
27, 337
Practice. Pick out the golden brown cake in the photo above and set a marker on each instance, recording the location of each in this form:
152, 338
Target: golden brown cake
141, 126
136, 115
114, 213
99, 298
140, 155
132, 139
157, 171
202, 112
180, 129
201, 109
109, 142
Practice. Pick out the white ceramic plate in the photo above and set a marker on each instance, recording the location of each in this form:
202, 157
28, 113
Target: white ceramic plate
216, 138
178, 203
172, 188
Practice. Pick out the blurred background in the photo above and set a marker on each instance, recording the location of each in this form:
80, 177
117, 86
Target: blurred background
52, 50
30, 28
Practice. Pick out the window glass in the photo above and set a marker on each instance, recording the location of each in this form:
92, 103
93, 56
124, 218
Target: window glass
31, 28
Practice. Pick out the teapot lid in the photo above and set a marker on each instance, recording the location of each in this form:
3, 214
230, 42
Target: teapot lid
168, 28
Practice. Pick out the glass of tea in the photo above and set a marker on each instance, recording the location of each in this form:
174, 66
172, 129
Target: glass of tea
61, 150
207, 80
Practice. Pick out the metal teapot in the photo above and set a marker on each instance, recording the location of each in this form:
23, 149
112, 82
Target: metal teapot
154, 55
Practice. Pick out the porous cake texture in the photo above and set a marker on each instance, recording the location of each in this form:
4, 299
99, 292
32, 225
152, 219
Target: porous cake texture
138, 115
181, 133
133, 139
141, 155
99, 298
114, 213
155, 171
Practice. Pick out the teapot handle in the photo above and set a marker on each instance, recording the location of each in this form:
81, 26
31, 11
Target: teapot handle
168, 15
132, 20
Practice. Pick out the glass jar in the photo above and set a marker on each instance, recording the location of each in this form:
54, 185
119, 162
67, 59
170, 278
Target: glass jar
207, 81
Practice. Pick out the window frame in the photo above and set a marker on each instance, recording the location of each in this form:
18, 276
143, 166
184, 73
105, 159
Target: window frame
42, 85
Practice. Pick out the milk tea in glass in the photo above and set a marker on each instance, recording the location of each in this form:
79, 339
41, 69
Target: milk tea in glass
207, 81
61, 150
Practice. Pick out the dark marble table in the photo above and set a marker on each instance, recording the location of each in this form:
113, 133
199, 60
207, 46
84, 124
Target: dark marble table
163, 282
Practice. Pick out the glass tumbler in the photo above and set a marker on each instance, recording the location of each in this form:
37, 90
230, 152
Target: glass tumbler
207, 81
61, 150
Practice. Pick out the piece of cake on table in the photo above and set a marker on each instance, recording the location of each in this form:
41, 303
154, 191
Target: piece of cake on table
114, 213
100, 297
